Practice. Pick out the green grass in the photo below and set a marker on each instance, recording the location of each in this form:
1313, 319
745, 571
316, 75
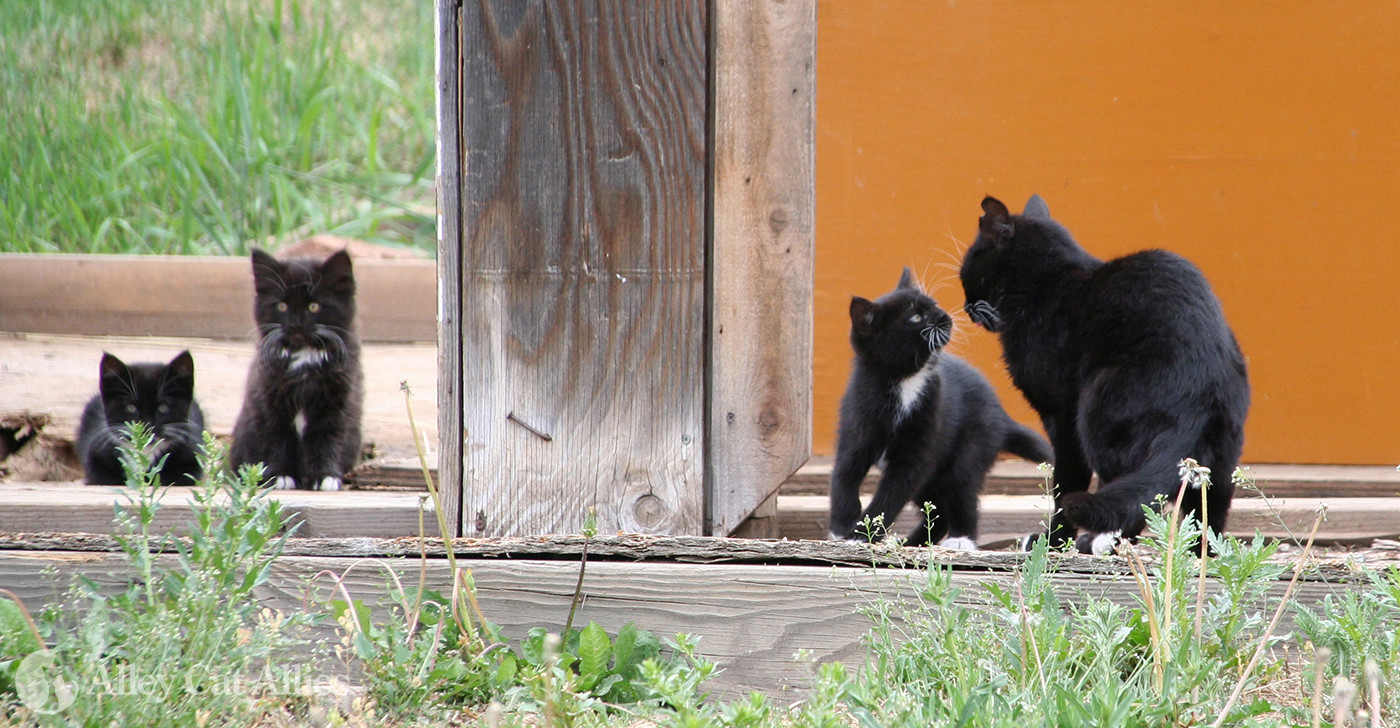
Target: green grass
207, 126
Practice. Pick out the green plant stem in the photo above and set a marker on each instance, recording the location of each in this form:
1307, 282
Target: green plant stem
459, 612
33, 628
1273, 624
578, 588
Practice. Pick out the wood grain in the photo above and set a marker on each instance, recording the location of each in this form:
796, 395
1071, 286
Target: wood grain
74, 508
191, 296
449, 259
583, 273
762, 253
750, 619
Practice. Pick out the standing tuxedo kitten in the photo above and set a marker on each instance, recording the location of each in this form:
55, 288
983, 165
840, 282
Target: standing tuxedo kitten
1129, 363
161, 396
301, 411
932, 421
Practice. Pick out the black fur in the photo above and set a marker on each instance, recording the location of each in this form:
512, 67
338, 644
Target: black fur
939, 448
161, 396
305, 306
1129, 363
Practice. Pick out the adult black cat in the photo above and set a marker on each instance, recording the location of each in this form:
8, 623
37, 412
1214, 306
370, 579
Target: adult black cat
931, 419
301, 411
160, 396
1129, 363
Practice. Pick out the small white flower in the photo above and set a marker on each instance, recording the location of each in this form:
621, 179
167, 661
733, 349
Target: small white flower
1193, 474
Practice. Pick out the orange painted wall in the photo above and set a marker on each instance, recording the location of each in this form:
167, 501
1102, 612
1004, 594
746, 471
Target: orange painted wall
1259, 139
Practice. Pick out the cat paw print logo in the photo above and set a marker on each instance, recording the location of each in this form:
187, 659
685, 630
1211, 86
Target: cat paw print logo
39, 685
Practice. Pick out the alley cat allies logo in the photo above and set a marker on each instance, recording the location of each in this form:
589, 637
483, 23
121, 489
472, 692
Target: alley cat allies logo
40, 687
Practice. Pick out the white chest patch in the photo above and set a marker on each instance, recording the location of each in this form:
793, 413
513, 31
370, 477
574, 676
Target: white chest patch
300, 423
305, 357
911, 388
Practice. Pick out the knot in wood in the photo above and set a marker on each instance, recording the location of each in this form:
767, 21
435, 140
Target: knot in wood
778, 219
649, 511
768, 418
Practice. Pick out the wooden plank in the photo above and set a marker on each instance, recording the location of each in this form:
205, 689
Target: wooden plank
632, 547
191, 296
750, 619
582, 311
1017, 477
762, 253
56, 375
1013, 477
448, 64
1005, 518
68, 507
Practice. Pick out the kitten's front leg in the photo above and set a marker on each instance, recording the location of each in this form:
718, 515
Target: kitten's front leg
104, 467
853, 461
905, 470
321, 441
265, 438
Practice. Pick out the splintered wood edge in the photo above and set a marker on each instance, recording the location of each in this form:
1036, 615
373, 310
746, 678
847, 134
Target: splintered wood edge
681, 550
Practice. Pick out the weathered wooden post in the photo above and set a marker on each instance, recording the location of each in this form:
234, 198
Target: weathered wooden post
626, 196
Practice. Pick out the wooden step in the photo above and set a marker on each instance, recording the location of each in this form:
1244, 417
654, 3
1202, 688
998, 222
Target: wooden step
1005, 518
1017, 477
74, 508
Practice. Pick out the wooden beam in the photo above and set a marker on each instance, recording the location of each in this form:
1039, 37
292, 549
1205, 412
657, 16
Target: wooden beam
759, 376
583, 269
750, 619
1006, 518
192, 296
1017, 477
449, 260
65, 507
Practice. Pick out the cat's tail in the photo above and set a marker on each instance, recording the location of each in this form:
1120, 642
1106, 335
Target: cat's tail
1027, 444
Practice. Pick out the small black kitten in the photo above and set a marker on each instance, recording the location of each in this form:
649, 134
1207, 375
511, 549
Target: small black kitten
1129, 363
161, 396
932, 421
301, 411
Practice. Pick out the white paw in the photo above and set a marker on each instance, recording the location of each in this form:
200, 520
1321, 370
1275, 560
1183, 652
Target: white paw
961, 543
1104, 543
329, 483
1027, 541
283, 482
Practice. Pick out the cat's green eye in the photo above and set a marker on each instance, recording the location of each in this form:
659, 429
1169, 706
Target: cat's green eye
313, 307
282, 306
916, 318
131, 409
163, 408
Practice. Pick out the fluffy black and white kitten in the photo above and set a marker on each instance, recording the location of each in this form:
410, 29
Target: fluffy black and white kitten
1129, 363
932, 422
161, 396
301, 411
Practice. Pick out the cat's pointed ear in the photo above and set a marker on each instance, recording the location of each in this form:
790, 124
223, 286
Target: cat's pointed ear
862, 312
337, 273
112, 373
178, 380
996, 219
267, 273
1036, 208
182, 365
906, 279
